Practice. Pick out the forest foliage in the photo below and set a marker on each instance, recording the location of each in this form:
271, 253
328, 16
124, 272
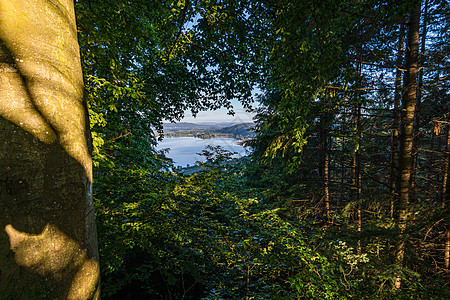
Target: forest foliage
321, 209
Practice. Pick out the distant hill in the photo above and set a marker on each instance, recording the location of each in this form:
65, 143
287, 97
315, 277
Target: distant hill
238, 131
189, 126
244, 130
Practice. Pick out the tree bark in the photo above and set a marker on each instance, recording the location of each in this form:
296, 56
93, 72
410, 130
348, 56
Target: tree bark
325, 165
49, 247
326, 175
356, 176
406, 135
446, 202
416, 137
397, 98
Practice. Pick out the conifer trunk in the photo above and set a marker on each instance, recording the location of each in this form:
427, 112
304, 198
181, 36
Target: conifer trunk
446, 202
325, 166
358, 176
406, 135
395, 116
416, 136
444, 187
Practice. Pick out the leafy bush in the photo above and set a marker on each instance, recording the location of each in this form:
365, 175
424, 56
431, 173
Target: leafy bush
203, 236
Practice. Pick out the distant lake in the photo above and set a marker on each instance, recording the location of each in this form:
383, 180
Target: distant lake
183, 150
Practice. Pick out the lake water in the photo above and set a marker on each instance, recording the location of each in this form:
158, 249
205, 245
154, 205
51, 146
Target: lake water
183, 150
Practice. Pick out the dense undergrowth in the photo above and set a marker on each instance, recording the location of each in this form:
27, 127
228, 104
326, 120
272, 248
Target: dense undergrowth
221, 233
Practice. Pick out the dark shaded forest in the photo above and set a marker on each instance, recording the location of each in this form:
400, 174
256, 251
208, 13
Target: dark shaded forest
346, 193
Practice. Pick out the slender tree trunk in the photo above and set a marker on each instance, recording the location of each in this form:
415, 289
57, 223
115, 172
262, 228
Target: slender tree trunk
49, 248
358, 199
354, 186
446, 202
357, 159
341, 196
356, 172
326, 178
447, 243
406, 135
446, 170
358, 176
416, 137
395, 116
446, 193
325, 161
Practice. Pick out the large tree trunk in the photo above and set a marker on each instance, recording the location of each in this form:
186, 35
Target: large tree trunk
48, 249
406, 135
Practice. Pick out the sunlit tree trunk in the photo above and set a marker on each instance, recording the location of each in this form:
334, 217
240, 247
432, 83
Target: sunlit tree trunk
416, 137
406, 135
48, 243
447, 241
